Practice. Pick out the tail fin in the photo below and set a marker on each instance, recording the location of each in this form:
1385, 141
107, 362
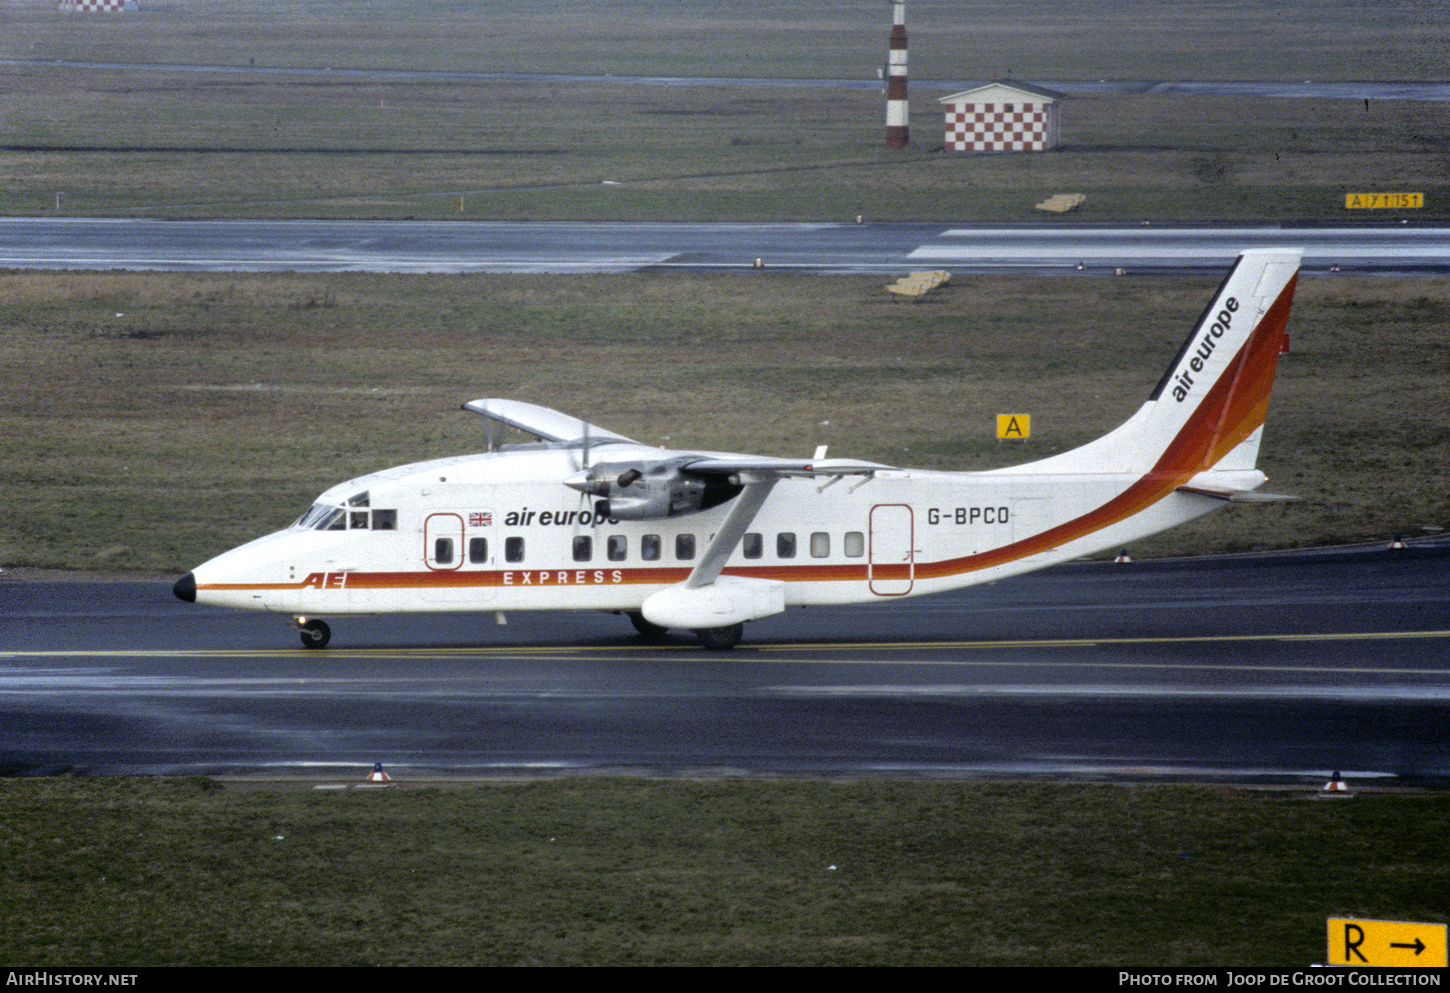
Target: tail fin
1210, 404
1208, 409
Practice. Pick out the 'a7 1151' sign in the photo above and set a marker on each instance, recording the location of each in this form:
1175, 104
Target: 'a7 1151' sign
1383, 201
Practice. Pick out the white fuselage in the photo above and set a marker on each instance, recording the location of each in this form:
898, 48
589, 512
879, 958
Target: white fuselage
498, 531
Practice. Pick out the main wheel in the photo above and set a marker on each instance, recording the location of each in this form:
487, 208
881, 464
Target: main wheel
315, 634
719, 639
644, 627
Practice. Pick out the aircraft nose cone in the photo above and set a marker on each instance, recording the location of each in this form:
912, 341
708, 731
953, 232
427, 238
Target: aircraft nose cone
185, 588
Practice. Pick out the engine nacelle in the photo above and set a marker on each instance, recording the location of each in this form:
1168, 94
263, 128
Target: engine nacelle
642, 491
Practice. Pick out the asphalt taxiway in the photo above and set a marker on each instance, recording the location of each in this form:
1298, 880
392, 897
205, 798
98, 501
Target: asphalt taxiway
614, 247
1260, 667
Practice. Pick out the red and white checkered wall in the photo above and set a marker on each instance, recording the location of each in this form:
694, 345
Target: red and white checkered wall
1001, 127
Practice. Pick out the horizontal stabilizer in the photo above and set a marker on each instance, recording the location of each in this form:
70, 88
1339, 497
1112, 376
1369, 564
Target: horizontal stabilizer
1238, 496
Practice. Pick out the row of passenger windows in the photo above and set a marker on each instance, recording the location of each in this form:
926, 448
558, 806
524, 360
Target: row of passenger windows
651, 547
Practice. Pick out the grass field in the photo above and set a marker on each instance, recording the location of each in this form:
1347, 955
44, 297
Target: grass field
149, 421
153, 142
1032, 39
639, 872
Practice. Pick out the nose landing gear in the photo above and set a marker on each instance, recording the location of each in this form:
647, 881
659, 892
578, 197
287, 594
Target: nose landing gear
315, 633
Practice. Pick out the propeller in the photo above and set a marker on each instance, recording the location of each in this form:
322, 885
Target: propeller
585, 471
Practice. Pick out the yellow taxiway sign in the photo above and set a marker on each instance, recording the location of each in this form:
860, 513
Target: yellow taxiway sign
1394, 944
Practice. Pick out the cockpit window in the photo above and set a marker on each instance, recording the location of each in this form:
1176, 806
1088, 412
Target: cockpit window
315, 513
329, 517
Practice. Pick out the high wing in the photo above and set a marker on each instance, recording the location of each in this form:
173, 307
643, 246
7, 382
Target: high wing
765, 466
667, 485
543, 423
555, 426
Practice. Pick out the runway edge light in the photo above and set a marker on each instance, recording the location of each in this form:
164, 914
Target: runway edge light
1335, 784
378, 775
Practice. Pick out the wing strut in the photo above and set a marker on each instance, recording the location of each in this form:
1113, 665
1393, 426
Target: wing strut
732, 529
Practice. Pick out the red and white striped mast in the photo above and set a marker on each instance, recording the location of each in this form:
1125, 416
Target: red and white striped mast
897, 111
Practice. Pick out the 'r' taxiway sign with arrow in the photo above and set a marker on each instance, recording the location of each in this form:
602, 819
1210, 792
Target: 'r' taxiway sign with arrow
1386, 943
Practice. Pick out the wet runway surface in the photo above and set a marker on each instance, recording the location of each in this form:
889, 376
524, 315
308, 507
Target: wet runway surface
1245, 668
616, 247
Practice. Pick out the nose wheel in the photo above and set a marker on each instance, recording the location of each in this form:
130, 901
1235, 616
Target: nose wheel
315, 634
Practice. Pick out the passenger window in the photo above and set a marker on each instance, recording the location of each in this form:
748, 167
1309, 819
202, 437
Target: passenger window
649, 547
684, 547
385, 520
753, 547
855, 544
443, 550
477, 550
785, 545
513, 549
617, 547
583, 548
820, 544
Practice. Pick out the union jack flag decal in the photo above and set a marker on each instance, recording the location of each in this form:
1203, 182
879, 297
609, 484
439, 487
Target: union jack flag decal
481, 519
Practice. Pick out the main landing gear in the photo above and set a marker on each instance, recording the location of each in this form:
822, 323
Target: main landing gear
715, 639
653, 632
719, 639
315, 633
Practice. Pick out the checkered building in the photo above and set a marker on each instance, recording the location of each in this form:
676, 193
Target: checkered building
90, 6
1001, 117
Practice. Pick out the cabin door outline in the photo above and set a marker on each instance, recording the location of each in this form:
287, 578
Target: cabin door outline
891, 562
443, 547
